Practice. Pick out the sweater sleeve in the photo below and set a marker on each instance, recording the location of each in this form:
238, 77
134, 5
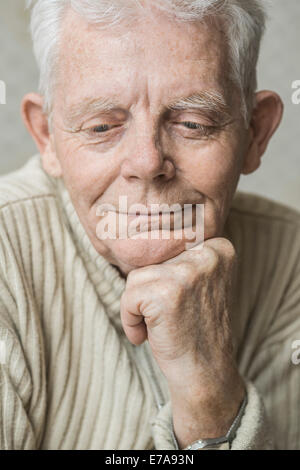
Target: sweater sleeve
276, 366
22, 376
253, 432
271, 418
16, 432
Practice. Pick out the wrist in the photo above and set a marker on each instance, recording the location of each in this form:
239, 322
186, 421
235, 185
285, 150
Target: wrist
220, 443
204, 415
197, 395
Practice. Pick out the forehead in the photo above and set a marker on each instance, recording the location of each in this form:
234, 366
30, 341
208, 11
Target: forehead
155, 53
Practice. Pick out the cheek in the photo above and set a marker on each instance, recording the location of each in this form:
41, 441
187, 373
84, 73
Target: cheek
212, 168
86, 173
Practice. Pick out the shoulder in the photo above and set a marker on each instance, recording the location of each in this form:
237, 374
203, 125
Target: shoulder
255, 221
266, 235
31, 226
28, 205
263, 209
27, 183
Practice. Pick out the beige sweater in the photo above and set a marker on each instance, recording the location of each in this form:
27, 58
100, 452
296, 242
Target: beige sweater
70, 379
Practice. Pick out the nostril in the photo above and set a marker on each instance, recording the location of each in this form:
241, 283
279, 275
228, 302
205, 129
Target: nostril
161, 175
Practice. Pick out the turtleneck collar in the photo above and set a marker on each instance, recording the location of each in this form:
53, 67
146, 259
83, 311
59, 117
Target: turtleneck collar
106, 278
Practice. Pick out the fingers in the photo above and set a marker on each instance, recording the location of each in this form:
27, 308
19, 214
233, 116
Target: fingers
222, 246
146, 274
198, 247
207, 257
132, 319
136, 334
147, 288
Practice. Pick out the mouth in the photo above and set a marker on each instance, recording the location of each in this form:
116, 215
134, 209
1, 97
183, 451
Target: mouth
156, 224
156, 220
149, 213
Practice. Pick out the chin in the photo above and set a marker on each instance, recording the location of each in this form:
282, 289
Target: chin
134, 254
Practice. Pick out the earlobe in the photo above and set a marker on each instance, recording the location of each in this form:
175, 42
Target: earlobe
252, 161
50, 162
37, 124
265, 120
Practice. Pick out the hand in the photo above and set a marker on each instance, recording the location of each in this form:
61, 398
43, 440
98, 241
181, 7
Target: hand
183, 307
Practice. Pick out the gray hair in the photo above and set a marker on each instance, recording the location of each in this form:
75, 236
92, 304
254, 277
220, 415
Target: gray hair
243, 20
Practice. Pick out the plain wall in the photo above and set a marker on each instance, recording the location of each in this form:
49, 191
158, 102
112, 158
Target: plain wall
279, 175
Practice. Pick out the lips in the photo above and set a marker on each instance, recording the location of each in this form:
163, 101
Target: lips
139, 224
150, 215
165, 221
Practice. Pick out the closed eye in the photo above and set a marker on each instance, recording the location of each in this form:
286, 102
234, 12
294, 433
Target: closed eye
101, 129
193, 125
197, 129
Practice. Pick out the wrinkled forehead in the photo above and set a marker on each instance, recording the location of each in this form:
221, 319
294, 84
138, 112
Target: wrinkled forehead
154, 51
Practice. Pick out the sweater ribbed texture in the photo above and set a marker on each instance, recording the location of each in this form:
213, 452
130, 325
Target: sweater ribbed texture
72, 380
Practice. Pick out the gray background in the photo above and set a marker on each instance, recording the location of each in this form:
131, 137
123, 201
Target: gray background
279, 175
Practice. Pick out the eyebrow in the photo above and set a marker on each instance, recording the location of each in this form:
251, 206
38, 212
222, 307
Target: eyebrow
96, 105
208, 102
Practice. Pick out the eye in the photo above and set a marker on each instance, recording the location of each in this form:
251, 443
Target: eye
99, 133
101, 129
192, 125
196, 130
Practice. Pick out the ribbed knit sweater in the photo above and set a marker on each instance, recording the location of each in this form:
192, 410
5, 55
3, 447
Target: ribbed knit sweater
69, 377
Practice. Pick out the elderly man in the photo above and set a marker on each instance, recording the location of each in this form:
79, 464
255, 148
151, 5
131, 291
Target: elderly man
145, 342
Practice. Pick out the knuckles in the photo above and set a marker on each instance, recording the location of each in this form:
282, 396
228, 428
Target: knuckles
215, 253
165, 291
211, 261
168, 291
186, 270
227, 248
218, 250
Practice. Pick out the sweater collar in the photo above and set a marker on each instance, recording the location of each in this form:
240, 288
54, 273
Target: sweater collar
105, 277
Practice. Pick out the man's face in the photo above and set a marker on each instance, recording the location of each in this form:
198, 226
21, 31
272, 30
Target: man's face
119, 131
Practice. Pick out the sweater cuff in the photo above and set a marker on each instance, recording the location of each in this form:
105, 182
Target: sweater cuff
253, 432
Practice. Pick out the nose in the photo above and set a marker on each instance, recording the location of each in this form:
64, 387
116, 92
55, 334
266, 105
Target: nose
146, 160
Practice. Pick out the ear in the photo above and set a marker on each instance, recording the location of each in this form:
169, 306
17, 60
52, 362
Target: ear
37, 124
265, 119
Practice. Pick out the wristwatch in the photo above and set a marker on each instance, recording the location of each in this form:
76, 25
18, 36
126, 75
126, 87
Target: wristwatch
218, 443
